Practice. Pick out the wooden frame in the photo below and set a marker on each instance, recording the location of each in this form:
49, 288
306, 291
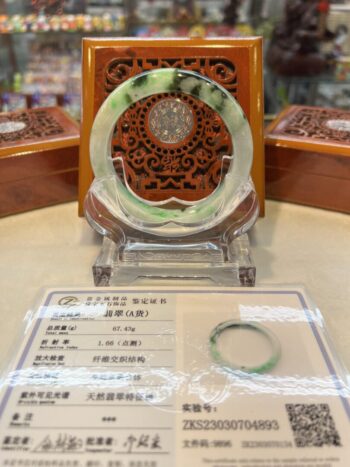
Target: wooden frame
245, 54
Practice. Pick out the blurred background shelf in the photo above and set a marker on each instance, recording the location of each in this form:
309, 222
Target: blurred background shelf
40, 43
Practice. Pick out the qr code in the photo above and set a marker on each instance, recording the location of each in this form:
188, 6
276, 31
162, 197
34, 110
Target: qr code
312, 425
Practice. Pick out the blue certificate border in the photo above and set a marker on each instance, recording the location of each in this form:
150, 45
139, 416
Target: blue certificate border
300, 296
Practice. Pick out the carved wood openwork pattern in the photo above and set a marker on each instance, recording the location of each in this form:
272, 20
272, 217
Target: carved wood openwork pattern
28, 125
317, 123
221, 70
158, 171
189, 169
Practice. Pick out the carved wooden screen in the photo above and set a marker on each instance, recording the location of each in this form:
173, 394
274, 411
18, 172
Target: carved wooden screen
38, 127
315, 123
28, 126
189, 168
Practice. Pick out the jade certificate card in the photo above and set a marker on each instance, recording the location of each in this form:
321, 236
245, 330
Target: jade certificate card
174, 377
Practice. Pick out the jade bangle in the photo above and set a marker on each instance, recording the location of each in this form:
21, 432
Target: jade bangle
232, 366
163, 81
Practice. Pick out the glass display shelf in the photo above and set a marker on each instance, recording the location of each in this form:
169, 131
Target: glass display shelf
325, 90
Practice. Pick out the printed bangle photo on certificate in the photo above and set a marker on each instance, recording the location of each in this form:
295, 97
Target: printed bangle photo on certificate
275, 347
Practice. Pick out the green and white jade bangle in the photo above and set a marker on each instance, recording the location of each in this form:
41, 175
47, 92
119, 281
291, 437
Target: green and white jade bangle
234, 366
163, 81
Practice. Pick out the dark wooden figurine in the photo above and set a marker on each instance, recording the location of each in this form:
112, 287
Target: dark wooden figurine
295, 48
231, 14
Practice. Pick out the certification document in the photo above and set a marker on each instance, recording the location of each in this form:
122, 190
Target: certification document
170, 377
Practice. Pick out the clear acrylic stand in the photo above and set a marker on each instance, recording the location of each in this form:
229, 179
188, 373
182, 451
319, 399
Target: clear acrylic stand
120, 264
221, 256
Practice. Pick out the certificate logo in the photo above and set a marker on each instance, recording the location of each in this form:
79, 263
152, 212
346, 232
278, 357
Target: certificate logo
68, 301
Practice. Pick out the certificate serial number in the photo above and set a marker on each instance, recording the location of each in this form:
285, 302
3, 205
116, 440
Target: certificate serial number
230, 425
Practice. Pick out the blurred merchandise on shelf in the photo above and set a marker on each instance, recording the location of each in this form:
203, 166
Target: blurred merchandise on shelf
43, 100
185, 9
49, 7
333, 96
295, 47
323, 91
71, 104
231, 13
306, 68
13, 101
308, 157
52, 77
196, 30
339, 22
39, 151
51, 72
342, 71
64, 23
40, 43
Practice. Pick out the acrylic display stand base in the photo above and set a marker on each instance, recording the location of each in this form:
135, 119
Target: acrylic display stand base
221, 264
216, 254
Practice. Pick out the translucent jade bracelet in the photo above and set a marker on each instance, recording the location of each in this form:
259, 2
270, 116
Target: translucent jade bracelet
233, 366
166, 81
